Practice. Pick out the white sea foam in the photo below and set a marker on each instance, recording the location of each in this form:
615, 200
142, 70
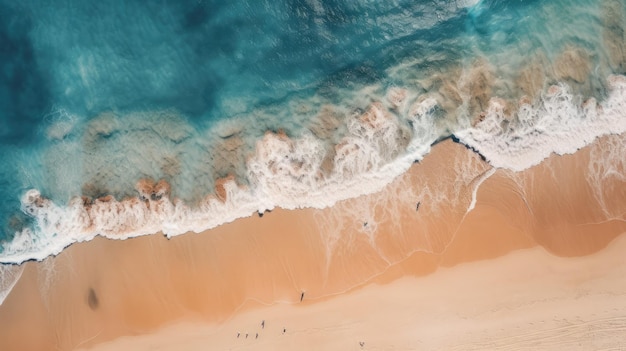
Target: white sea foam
559, 123
288, 172
606, 173
282, 172
479, 182
9, 275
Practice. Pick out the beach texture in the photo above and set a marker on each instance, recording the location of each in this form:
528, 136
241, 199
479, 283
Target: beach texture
312, 174
516, 260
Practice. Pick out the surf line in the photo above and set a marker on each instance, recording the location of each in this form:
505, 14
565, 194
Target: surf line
482, 178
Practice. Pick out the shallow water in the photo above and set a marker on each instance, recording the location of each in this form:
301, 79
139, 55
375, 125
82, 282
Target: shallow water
96, 98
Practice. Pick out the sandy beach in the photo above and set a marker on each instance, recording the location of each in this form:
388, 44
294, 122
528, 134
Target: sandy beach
451, 255
527, 300
312, 175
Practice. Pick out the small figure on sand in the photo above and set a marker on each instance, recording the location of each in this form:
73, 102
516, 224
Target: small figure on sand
246, 335
302, 296
257, 336
263, 324
362, 343
238, 333
284, 330
365, 224
418, 205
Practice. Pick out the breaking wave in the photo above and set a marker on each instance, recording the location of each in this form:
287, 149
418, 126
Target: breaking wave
132, 119
372, 148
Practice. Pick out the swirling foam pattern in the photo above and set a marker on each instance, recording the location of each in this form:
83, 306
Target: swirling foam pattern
129, 118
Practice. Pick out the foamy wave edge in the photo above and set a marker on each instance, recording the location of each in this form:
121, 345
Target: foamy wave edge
287, 172
557, 124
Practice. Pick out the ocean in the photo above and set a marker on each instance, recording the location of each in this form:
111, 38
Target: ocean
129, 118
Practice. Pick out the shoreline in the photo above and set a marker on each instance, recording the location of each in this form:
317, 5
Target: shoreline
283, 173
101, 290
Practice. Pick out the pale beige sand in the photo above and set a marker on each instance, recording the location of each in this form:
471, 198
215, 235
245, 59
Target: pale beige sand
98, 291
527, 300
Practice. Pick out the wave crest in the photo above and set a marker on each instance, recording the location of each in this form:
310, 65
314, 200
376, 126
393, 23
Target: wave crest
360, 154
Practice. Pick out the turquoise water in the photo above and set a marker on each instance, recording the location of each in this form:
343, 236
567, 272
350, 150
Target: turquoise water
95, 96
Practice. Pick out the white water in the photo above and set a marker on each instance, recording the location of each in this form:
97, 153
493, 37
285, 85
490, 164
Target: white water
288, 173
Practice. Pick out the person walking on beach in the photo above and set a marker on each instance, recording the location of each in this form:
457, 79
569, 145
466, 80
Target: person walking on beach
263, 324
302, 296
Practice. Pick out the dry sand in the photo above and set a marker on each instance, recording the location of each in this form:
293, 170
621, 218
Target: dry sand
527, 300
357, 263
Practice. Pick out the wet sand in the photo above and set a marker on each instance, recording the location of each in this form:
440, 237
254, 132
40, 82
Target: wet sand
486, 249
